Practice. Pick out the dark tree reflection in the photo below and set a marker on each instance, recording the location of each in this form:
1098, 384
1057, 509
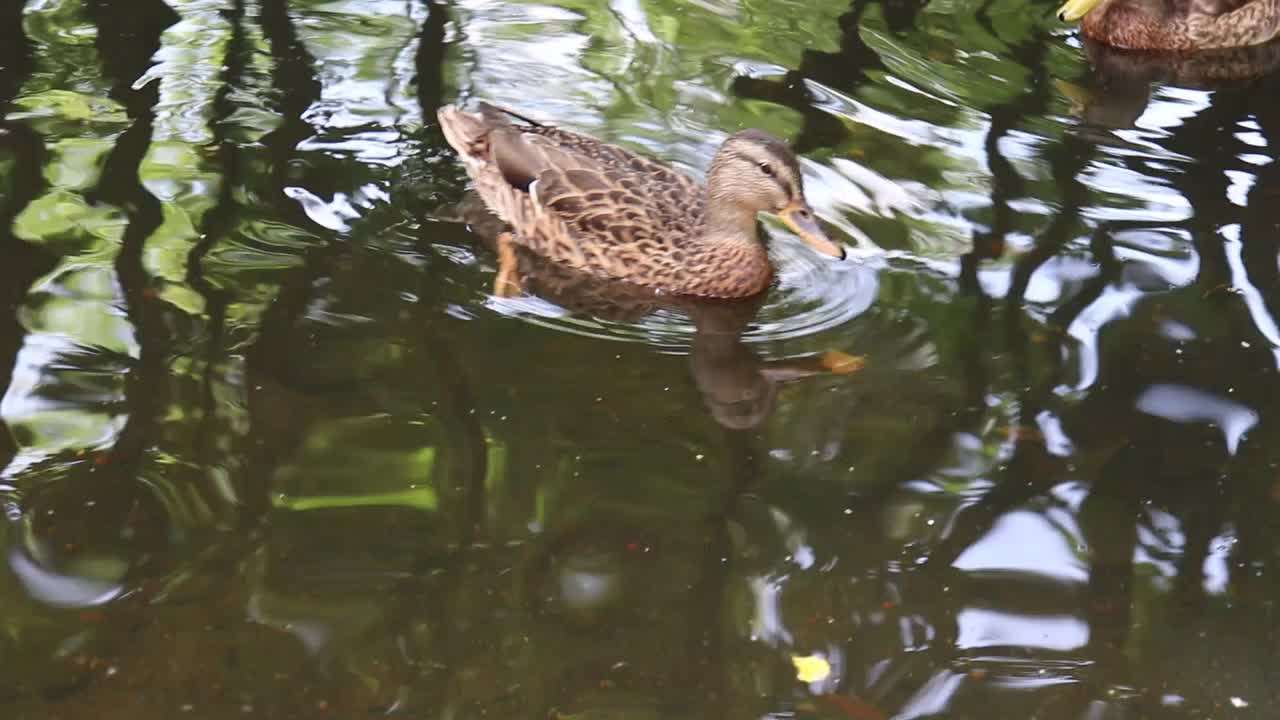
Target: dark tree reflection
844, 70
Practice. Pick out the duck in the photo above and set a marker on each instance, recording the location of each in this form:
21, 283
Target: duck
1178, 25
609, 212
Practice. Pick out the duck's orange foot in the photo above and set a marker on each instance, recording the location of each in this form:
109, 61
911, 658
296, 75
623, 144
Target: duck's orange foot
841, 363
507, 283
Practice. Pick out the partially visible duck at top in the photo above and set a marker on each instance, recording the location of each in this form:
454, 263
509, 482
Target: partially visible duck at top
1178, 25
614, 214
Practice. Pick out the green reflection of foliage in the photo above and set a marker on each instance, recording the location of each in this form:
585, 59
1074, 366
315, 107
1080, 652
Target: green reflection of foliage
70, 106
74, 64
77, 162
67, 220
420, 499
359, 462
77, 304
62, 218
7, 167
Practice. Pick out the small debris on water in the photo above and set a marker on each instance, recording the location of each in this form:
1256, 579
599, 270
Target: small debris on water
811, 668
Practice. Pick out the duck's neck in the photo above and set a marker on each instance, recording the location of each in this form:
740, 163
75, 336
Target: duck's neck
729, 252
726, 222
726, 217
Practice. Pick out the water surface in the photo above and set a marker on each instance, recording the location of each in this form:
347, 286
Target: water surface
270, 447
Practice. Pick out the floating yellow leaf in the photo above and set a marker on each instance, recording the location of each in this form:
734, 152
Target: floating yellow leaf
812, 668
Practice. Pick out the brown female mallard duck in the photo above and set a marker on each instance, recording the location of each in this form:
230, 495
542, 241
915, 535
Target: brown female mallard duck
614, 214
1175, 24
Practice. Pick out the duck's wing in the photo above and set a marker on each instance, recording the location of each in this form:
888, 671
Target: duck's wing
605, 195
576, 199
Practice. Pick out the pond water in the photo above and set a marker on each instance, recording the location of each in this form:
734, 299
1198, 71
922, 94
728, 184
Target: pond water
270, 447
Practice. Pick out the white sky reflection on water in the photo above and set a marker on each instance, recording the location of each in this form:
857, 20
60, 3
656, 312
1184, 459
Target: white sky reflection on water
1025, 541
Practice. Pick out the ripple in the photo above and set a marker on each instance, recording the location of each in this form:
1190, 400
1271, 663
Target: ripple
66, 589
812, 295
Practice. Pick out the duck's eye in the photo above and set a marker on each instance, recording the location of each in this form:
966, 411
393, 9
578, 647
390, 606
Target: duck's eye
766, 168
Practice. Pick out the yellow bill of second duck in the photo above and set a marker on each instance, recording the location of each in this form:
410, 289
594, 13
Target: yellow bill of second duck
1073, 10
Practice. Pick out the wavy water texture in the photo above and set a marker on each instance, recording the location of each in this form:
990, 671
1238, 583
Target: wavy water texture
270, 446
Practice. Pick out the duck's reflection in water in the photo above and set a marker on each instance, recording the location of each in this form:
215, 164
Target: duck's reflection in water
1120, 85
738, 387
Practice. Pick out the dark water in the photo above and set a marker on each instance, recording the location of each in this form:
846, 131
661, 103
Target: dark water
269, 447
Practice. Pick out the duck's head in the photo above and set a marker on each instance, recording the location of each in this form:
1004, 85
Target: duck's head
1073, 10
755, 172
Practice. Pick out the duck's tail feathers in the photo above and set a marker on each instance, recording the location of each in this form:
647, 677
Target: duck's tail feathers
466, 132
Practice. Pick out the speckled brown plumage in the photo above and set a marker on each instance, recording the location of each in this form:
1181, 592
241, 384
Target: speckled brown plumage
1182, 24
612, 213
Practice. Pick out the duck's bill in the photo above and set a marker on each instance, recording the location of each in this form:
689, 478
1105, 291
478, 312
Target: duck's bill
1073, 10
800, 218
